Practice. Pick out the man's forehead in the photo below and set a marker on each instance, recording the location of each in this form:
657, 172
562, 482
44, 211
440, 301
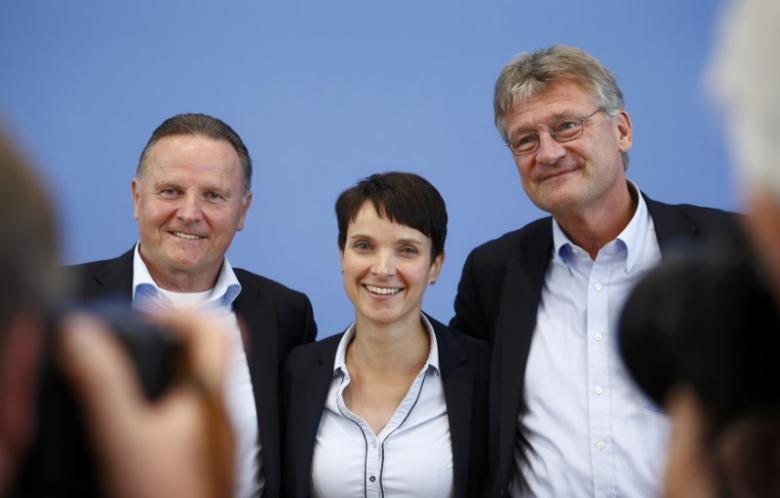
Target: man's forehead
192, 154
557, 92
183, 144
559, 99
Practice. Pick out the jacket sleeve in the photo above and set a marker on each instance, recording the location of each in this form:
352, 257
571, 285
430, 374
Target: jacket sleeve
469, 312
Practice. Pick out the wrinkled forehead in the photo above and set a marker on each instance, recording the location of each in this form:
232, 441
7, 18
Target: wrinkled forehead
563, 99
533, 92
193, 153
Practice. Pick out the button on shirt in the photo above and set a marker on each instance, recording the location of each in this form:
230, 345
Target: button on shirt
410, 457
239, 397
591, 432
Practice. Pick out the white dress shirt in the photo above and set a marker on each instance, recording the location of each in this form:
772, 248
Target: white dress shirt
591, 432
410, 457
239, 397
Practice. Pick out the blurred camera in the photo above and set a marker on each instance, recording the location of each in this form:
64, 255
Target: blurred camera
61, 462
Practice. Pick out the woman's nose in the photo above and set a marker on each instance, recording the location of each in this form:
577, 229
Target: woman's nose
384, 265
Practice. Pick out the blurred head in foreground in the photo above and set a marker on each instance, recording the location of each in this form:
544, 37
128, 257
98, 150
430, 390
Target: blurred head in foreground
701, 337
745, 76
29, 281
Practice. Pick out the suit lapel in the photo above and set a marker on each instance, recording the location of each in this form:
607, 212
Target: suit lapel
670, 224
114, 278
520, 299
305, 416
458, 381
262, 358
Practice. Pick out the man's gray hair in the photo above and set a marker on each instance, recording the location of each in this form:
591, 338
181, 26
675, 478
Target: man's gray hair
530, 74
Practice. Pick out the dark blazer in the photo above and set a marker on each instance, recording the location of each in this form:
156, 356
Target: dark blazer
498, 297
464, 369
274, 319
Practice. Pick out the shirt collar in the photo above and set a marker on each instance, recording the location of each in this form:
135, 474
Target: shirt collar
634, 234
340, 363
147, 296
631, 237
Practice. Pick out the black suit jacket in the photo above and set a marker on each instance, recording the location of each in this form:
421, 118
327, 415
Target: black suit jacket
498, 298
274, 318
464, 365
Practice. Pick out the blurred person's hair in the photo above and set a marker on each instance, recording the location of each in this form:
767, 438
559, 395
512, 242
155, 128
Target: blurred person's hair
745, 77
205, 126
30, 279
709, 322
404, 198
530, 74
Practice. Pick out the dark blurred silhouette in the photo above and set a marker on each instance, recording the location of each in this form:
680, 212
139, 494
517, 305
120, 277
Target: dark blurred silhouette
700, 336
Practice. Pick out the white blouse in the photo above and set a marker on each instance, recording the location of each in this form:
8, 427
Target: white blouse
410, 457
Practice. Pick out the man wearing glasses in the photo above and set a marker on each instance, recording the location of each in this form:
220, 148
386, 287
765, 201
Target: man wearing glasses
567, 420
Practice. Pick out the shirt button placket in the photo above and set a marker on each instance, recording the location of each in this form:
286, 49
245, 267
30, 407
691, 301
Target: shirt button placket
598, 374
373, 456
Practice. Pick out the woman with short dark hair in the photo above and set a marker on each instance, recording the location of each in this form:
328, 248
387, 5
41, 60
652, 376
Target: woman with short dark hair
396, 405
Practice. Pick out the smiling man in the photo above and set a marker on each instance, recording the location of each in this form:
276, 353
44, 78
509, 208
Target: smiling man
568, 421
191, 194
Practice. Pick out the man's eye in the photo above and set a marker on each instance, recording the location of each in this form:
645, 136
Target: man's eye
567, 126
213, 196
169, 192
525, 142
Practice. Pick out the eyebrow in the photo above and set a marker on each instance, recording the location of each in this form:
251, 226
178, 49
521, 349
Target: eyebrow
558, 116
399, 241
226, 192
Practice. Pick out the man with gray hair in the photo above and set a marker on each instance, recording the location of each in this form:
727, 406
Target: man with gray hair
191, 194
568, 421
746, 76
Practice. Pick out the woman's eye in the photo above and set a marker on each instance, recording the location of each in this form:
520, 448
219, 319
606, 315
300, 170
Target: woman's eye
362, 245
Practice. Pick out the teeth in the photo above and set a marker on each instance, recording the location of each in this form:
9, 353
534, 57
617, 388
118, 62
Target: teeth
188, 236
384, 291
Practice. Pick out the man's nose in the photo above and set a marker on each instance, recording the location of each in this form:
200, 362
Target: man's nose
189, 210
550, 150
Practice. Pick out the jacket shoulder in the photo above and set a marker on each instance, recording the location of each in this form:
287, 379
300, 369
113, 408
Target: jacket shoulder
476, 350
305, 356
703, 213
268, 289
680, 221
498, 251
101, 278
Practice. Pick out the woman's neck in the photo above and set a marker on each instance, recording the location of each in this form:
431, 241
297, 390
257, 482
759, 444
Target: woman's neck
397, 348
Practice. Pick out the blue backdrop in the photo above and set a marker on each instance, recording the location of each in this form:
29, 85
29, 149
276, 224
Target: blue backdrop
325, 93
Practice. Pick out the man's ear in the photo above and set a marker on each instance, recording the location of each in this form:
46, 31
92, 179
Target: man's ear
135, 192
245, 203
625, 131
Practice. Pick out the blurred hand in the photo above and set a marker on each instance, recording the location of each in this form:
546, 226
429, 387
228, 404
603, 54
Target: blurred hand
180, 446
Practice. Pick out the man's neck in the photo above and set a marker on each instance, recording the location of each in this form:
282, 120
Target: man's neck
594, 227
182, 281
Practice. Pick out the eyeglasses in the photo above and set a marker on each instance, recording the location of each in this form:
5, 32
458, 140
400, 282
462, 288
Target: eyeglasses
563, 131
